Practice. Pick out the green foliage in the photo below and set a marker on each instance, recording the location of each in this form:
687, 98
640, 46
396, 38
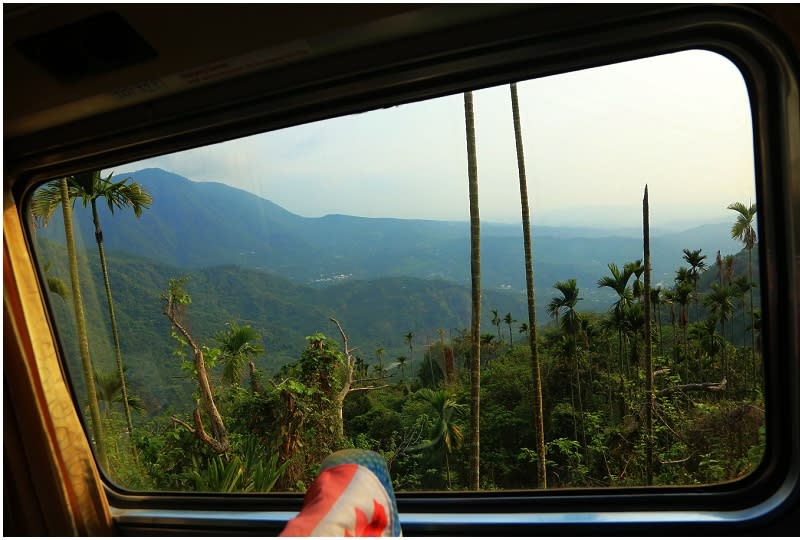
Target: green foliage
285, 421
236, 347
248, 470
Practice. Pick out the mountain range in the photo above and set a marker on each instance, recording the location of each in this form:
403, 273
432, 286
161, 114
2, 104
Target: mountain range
251, 261
202, 224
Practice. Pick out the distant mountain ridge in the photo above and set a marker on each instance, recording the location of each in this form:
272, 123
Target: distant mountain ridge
252, 261
202, 224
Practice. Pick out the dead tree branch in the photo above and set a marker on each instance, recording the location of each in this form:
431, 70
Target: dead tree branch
694, 387
219, 441
347, 385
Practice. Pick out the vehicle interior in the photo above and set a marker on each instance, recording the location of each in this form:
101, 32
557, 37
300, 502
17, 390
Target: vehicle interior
91, 86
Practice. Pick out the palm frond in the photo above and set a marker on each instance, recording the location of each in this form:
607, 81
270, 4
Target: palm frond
236, 348
44, 203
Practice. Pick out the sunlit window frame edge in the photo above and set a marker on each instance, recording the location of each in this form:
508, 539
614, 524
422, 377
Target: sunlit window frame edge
744, 40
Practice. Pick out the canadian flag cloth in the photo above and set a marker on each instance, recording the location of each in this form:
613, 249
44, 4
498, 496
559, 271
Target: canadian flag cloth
352, 496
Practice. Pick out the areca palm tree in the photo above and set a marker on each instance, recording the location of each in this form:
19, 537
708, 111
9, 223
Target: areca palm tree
379, 369
730, 269
739, 288
496, 320
719, 302
509, 320
704, 335
655, 301
531, 292
409, 337
636, 269
683, 295
719, 262
475, 273
635, 320
109, 391
696, 261
682, 275
237, 345
401, 361
743, 230
379, 354
618, 282
43, 204
487, 342
90, 187
669, 298
563, 307
446, 434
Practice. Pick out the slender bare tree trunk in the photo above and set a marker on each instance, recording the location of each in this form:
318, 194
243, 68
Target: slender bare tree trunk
756, 378
526, 236
218, 441
98, 235
475, 267
80, 321
648, 350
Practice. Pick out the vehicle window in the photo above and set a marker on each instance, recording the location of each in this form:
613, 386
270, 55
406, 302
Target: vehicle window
230, 315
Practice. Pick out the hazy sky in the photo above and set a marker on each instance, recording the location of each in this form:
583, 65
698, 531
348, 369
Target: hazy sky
680, 123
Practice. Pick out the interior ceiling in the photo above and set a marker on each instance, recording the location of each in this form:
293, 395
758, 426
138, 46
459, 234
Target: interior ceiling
190, 39
185, 38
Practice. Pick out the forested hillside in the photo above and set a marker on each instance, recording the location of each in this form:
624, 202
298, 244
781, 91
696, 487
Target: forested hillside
283, 312
243, 379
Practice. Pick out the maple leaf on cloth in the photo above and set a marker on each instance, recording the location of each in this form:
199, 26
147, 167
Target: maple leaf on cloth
366, 527
351, 484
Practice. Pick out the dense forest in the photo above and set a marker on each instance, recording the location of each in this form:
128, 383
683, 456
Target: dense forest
232, 415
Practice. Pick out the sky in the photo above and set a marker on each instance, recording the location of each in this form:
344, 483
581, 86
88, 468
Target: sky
592, 139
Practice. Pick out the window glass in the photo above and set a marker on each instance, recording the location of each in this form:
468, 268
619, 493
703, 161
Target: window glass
263, 302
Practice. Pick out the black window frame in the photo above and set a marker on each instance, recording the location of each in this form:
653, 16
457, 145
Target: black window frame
527, 43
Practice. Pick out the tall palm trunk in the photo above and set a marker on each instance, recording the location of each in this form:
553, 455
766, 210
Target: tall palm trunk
411, 361
526, 236
744, 337
756, 379
475, 267
430, 360
648, 350
723, 356
660, 331
580, 404
80, 321
98, 236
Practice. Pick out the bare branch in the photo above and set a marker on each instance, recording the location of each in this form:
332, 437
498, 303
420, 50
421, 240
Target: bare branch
177, 420
220, 447
278, 385
676, 461
694, 387
219, 443
347, 385
345, 341
369, 388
